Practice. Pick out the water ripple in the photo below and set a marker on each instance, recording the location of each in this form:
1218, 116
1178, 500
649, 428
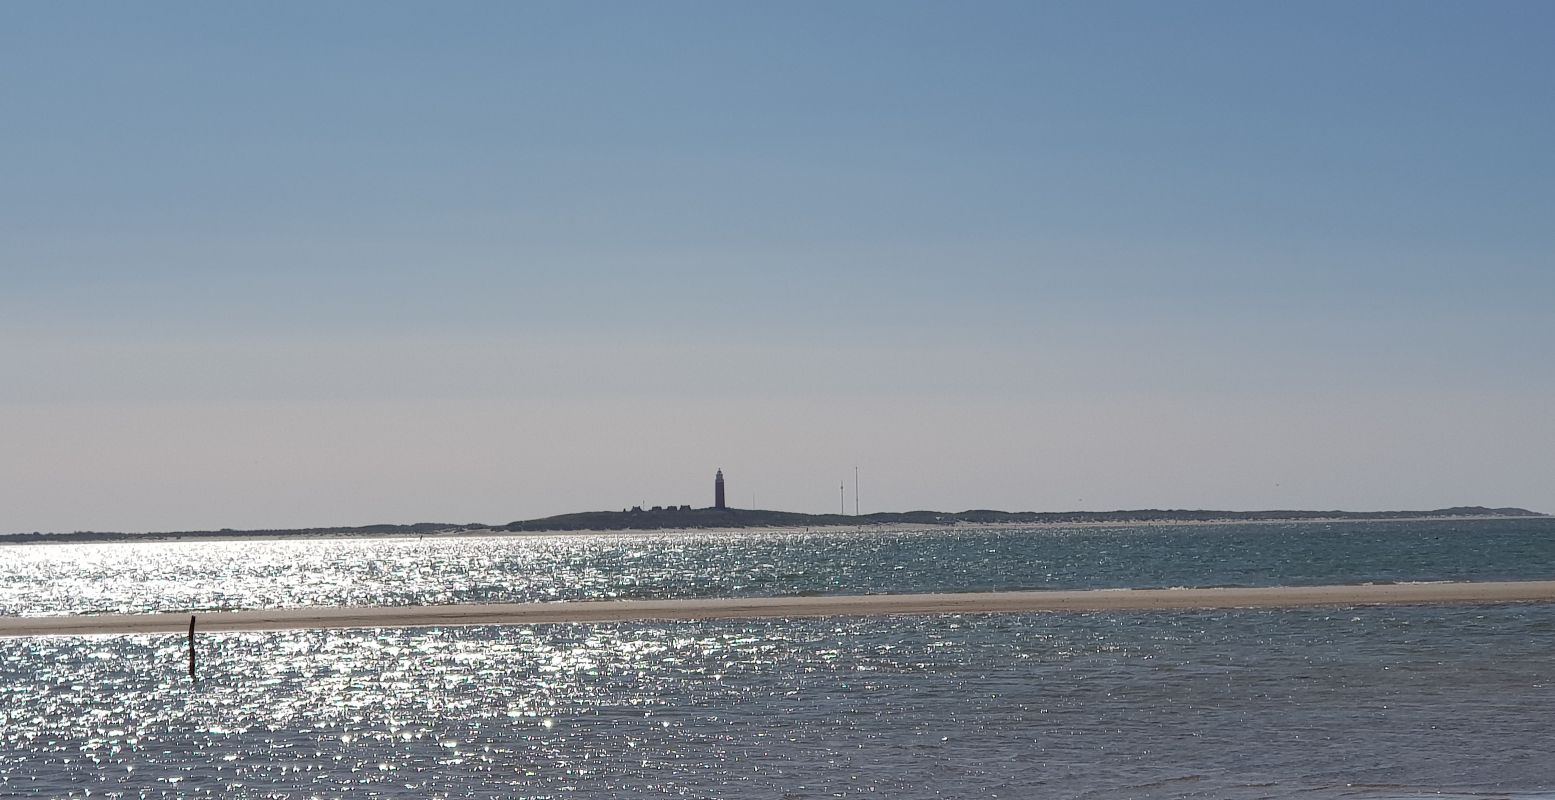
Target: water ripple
1200, 704
194, 576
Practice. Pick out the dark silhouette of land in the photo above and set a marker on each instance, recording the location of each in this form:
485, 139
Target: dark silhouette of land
698, 518
756, 518
414, 529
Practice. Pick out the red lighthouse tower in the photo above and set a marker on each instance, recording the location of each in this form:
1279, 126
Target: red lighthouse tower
718, 490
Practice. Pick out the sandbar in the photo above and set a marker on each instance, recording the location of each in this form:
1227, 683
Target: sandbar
768, 607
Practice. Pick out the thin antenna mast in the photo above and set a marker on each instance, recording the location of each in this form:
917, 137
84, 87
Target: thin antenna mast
842, 498
855, 491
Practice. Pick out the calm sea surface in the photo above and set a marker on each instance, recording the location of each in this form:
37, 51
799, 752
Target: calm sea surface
75, 578
1401, 702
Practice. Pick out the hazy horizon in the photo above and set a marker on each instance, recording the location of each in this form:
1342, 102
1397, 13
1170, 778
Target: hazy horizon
647, 508
293, 265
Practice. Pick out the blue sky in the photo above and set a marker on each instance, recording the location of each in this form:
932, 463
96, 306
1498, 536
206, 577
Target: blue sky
297, 264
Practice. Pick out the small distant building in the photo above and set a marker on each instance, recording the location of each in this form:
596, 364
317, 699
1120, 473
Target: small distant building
718, 490
661, 509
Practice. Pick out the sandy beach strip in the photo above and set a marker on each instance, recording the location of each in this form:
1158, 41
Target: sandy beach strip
766, 607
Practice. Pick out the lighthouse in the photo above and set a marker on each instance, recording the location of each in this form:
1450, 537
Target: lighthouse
718, 490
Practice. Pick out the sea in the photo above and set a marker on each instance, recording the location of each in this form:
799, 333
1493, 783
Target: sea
1313, 703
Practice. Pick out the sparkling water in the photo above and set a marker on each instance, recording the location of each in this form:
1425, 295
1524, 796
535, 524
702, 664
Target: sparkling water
181, 576
1398, 702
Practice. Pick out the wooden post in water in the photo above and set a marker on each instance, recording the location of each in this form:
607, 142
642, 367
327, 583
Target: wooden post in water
191, 648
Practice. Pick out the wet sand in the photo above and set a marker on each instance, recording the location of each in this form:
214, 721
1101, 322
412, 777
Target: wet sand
760, 607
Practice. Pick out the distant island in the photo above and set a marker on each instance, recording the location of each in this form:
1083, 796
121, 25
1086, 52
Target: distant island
686, 518
692, 518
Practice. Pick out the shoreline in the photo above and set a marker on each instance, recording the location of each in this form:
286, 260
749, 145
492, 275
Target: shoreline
606, 611
494, 533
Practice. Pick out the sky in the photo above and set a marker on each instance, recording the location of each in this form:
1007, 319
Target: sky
304, 264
